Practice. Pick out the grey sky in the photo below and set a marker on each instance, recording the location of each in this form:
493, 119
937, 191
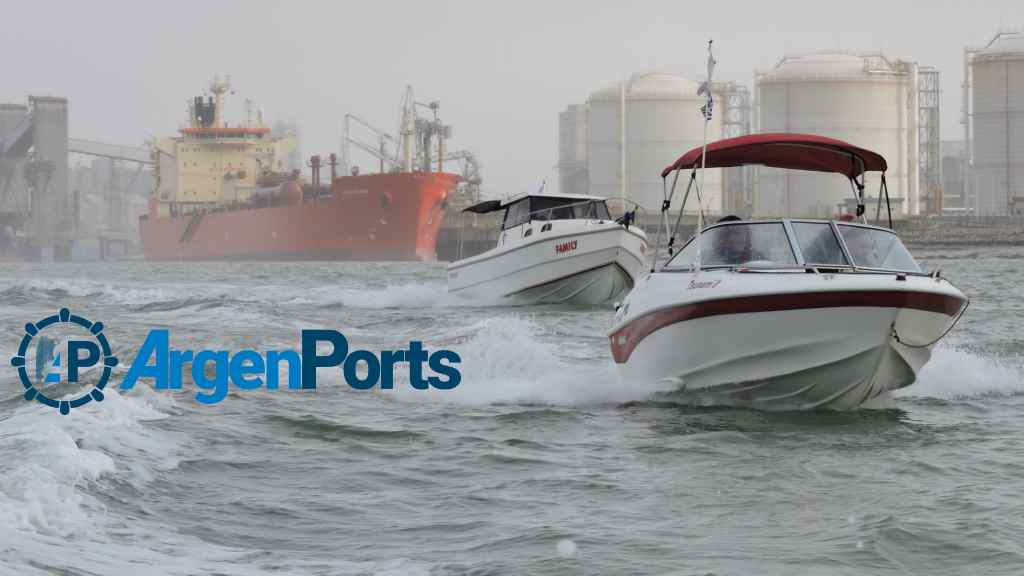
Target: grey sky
502, 70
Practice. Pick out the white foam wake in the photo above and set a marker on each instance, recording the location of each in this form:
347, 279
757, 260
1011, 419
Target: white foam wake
514, 359
954, 373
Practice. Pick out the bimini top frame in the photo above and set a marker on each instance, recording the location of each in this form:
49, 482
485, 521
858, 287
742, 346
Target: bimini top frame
782, 150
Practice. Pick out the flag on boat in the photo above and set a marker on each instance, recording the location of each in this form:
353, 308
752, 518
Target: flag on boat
705, 87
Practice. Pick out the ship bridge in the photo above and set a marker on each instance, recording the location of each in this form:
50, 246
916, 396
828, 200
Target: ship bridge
225, 133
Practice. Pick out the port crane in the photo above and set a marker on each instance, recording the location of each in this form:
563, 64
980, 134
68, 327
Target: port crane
413, 149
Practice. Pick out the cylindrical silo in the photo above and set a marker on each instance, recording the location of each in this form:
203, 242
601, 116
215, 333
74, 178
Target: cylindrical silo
997, 117
572, 150
865, 99
50, 173
662, 121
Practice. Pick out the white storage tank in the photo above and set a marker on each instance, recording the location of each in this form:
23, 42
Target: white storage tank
572, 150
997, 117
862, 98
662, 121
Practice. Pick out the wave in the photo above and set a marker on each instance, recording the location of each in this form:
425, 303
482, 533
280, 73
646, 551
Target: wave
143, 298
313, 426
61, 472
428, 295
54, 458
173, 304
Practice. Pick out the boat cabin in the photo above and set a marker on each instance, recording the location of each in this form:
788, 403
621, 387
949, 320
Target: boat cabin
546, 208
522, 211
792, 243
526, 208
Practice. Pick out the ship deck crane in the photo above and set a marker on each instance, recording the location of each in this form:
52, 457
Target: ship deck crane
380, 152
413, 147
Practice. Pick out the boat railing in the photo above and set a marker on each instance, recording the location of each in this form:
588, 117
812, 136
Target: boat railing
631, 211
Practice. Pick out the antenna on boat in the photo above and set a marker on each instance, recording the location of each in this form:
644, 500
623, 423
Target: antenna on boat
707, 111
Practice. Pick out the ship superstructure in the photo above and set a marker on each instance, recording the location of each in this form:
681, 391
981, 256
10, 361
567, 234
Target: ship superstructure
230, 192
213, 163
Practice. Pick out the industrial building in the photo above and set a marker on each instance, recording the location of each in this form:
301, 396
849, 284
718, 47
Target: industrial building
34, 177
954, 180
43, 215
993, 117
867, 99
618, 141
107, 198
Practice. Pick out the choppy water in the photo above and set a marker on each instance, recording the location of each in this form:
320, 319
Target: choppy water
541, 462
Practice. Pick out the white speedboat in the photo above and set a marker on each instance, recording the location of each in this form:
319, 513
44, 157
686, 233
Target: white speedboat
554, 249
786, 313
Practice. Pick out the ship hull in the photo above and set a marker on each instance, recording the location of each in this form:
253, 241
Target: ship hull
373, 217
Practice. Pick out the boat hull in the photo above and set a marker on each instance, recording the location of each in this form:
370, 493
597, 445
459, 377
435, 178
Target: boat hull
594, 286
835, 348
591, 266
371, 217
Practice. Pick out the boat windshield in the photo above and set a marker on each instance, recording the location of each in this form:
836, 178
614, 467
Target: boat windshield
767, 245
874, 248
753, 244
553, 208
818, 244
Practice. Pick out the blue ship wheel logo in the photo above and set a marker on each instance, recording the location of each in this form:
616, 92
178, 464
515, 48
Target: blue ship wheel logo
108, 361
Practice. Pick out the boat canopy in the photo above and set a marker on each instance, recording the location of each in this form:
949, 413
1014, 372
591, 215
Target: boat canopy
485, 207
488, 206
783, 150
808, 152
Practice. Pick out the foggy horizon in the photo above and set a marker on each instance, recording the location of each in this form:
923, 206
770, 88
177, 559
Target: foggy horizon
501, 72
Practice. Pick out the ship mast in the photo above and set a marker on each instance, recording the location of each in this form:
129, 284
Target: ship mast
407, 131
219, 88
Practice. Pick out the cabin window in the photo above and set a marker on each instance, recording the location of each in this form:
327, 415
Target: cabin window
568, 209
747, 244
594, 210
546, 208
872, 248
819, 244
552, 208
516, 214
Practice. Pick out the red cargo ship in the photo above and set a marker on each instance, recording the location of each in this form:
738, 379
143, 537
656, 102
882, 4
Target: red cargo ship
370, 217
224, 193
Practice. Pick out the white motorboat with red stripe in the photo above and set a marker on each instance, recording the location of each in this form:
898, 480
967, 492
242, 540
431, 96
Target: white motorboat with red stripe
563, 248
785, 313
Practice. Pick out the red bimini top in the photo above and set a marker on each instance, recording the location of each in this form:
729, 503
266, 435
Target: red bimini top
784, 150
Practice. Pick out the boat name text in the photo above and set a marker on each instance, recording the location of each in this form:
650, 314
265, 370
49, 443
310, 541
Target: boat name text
697, 284
564, 247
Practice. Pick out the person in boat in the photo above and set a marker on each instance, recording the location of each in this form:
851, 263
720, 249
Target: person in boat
735, 246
